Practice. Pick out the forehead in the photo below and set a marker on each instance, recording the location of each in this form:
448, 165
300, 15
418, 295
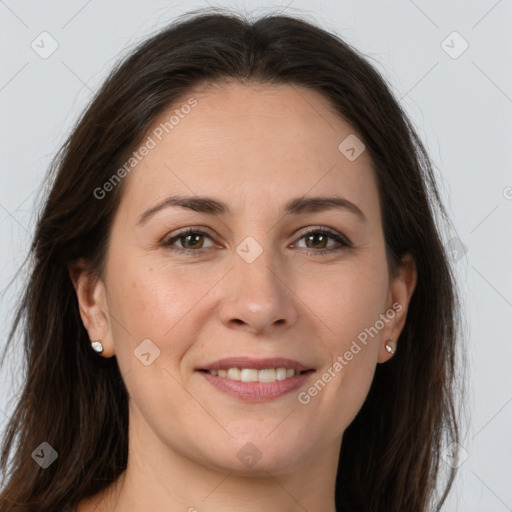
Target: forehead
262, 144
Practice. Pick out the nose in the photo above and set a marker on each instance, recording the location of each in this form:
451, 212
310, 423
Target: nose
257, 297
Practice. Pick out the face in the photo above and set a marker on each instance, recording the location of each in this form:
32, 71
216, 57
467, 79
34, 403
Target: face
270, 276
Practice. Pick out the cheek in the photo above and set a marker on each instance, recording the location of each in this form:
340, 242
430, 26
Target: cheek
346, 300
153, 301
150, 298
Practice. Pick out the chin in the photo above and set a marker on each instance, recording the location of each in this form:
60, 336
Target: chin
257, 455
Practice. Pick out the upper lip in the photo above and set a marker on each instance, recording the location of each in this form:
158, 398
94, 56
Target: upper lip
257, 364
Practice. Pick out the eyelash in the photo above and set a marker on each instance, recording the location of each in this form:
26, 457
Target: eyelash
345, 243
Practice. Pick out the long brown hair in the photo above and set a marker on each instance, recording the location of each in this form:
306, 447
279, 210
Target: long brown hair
390, 460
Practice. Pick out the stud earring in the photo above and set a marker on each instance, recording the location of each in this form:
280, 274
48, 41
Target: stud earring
97, 346
389, 348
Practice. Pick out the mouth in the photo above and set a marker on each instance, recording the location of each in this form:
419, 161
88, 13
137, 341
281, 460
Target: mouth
256, 379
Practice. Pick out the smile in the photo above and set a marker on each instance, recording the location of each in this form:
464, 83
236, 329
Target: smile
256, 380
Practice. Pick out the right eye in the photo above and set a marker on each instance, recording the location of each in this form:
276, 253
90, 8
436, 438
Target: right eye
191, 240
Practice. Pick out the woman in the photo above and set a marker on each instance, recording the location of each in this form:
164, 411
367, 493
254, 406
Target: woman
239, 295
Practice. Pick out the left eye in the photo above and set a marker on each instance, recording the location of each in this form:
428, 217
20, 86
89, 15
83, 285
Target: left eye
192, 242
318, 239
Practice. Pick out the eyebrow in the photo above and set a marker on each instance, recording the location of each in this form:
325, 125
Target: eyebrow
211, 206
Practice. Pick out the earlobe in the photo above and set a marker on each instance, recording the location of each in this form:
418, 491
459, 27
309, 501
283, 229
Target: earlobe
92, 305
387, 350
389, 347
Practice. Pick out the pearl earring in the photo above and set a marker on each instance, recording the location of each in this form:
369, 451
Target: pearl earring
389, 348
97, 346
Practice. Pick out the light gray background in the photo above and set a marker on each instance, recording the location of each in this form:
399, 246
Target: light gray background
461, 107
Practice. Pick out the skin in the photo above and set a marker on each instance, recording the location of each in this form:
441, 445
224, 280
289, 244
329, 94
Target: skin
255, 148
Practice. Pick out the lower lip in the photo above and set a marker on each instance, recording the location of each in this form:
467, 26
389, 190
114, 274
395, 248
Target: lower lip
257, 391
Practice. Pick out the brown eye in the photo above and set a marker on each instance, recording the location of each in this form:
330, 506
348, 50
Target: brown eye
317, 240
189, 241
193, 241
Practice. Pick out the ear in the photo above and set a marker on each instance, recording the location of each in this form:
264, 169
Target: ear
401, 288
92, 304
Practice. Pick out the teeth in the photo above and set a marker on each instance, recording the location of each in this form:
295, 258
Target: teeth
267, 375
234, 374
253, 375
281, 373
248, 375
